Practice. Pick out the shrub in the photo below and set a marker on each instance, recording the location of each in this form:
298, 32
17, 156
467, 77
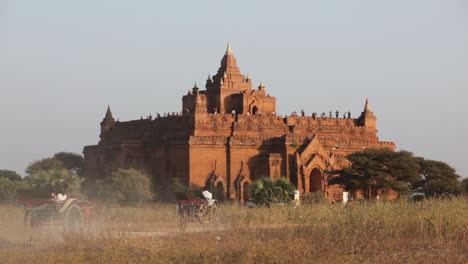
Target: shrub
267, 191
9, 187
130, 185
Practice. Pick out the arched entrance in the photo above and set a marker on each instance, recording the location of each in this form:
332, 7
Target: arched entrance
315, 180
255, 110
245, 192
219, 195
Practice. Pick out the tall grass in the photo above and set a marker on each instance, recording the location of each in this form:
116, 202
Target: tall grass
387, 232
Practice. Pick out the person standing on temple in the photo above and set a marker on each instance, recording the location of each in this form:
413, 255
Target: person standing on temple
337, 113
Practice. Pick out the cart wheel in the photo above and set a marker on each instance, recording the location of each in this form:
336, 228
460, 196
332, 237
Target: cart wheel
183, 219
182, 225
74, 219
214, 217
28, 221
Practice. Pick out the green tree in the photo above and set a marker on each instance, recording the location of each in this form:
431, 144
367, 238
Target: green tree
11, 175
375, 169
10, 182
124, 185
438, 178
9, 187
266, 191
54, 180
44, 165
464, 185
73, 162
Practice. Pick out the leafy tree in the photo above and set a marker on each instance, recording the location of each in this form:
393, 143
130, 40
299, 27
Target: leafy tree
266, 191
374, 169
437, 178
464, 186
54, 180
73, 162
11, 175
44, 165
124, 185
9, 187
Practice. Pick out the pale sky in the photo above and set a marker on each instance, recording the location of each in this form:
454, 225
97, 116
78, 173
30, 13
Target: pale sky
63, 62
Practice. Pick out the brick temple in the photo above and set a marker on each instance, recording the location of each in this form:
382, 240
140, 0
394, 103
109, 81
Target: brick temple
229, 135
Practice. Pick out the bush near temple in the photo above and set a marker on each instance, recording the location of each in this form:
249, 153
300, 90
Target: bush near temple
129, 185
266, 191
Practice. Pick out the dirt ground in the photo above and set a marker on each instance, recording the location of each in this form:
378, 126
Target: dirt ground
434, 232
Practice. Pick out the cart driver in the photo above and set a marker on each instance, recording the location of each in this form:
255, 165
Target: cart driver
61, 198
209, 197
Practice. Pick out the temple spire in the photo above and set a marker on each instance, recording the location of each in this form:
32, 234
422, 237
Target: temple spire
108, 113
367, 118
261, 86
228, 49
367, 106
108, 122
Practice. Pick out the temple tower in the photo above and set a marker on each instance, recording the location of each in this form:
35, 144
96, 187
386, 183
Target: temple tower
367, 118
222, 90
107, 124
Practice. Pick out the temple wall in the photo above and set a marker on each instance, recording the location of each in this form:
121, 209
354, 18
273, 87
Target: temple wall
206, 160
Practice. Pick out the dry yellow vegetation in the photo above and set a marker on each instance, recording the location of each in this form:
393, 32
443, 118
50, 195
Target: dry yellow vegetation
434, 231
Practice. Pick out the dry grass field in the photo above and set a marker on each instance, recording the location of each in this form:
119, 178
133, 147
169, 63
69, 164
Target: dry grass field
434, 231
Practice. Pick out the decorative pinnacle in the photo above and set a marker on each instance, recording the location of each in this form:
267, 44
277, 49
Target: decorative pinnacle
225, 74
248, 76
209, 77
228, 49
367, 106
195, 85
262, 84
221, 81
108, 112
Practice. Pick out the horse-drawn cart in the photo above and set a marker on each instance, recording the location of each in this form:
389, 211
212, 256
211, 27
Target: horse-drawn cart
72, 214
204, 211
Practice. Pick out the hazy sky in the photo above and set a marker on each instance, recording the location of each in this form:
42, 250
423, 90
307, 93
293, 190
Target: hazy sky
63, 62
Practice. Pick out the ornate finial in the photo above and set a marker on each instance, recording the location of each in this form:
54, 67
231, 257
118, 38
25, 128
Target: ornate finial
225, 74
262, 84
228, 49
367, 106
108, 112
248, 76
195, 85
209, 77
221, 81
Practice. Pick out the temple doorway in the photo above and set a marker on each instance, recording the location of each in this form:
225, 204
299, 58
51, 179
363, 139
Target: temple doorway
255, 110
220, 195
245, 192
315, 180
